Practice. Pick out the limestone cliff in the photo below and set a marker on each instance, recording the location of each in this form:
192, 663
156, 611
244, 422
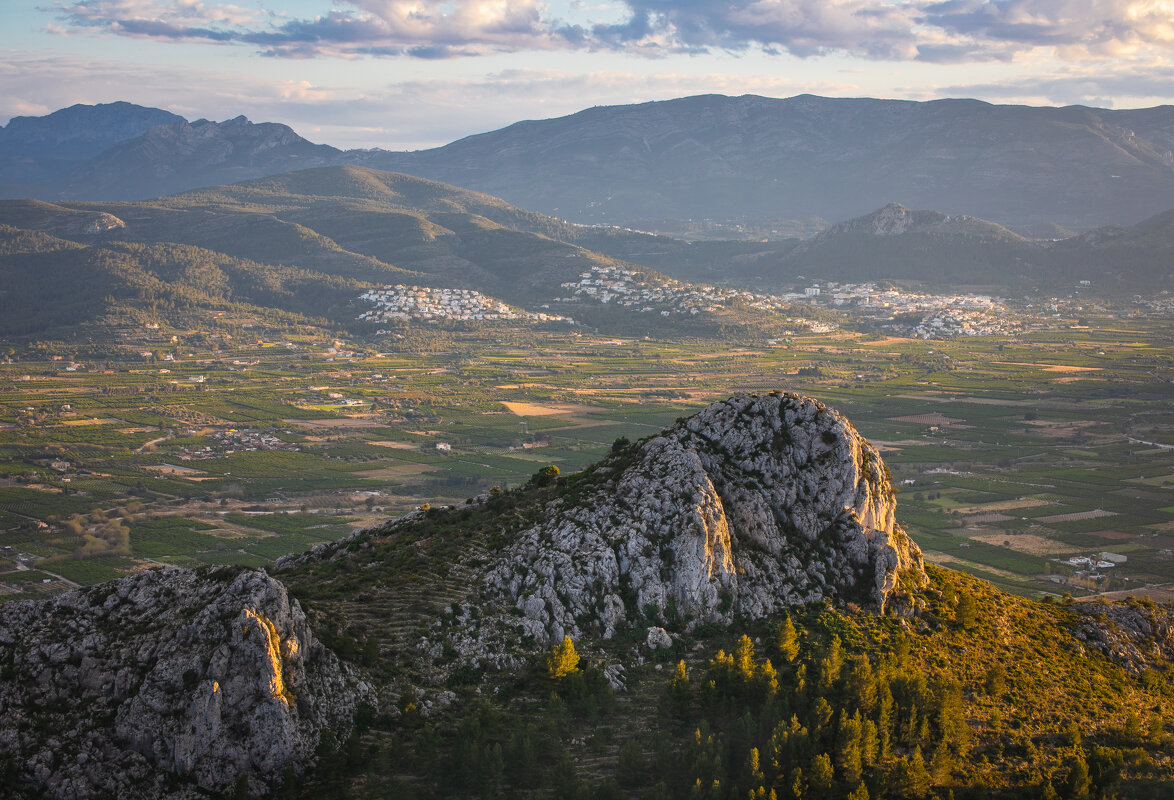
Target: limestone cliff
157, 684
751, 506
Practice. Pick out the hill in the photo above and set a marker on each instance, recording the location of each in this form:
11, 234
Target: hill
896, 243
525, 642
310, 241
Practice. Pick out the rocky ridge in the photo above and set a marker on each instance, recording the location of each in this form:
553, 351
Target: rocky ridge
754, 505
163, 684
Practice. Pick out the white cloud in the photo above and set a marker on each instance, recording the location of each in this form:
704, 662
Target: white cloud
894, 30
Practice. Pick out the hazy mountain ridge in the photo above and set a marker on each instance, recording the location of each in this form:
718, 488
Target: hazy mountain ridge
754, 157
37, 148
720, 158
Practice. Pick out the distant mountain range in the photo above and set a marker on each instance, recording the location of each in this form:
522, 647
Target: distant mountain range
1040, 171
896, 243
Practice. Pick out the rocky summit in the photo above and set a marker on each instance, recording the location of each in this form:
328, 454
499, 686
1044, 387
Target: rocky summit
163, 684
753, 505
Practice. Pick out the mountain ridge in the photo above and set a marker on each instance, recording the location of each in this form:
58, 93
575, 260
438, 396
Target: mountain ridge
747, 158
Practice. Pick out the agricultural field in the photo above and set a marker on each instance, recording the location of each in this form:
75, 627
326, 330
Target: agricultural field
236, 443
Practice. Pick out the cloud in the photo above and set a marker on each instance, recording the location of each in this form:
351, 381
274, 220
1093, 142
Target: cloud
890, 30
1106, 27
419, 28
1129, 83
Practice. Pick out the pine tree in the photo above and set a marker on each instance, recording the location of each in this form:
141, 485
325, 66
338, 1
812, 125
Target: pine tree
823, 777
831, 664
849, 758
917, 781
884, 722
787, 642
995, 682
744, 659
1078, 782
941, 763
862, 683
869, 745
563, 660
798, 785
754, 776
631, 766
966, 612
768, 677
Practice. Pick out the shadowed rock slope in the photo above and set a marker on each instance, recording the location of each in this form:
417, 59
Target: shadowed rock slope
163, 683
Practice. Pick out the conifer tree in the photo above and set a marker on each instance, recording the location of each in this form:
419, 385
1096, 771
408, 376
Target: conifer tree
754, 776
831, 664
869, 744
744, 659
849, 758
823, 777
563, 660
1078, 782
919, 780
966, 612
941, 763
787, 642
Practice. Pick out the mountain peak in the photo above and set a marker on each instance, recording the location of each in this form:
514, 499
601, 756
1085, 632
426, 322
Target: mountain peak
32, 148
756, 504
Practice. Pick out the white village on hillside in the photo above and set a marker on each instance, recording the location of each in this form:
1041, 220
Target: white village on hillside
433, 305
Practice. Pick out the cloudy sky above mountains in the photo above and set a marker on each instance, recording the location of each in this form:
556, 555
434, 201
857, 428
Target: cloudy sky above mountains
404, 74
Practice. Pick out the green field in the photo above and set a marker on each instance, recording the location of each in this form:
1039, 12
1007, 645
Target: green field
1011, 453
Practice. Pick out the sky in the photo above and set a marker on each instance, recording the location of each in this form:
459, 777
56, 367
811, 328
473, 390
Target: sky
408, 74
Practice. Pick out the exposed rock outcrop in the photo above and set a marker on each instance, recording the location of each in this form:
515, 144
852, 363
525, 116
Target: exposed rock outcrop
1138, 635
155, 684
751, 506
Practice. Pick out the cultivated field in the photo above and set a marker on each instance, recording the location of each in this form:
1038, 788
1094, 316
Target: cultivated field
237, 447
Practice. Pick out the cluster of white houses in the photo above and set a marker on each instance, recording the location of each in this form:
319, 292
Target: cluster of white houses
1103, 561
432, 305
625, 287
943, 315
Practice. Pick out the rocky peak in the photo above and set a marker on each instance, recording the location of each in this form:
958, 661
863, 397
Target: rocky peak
164, 682
81, 131
753, 505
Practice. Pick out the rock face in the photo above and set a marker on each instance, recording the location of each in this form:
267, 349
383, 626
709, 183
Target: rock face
751, 506
162, 682
1136, 634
